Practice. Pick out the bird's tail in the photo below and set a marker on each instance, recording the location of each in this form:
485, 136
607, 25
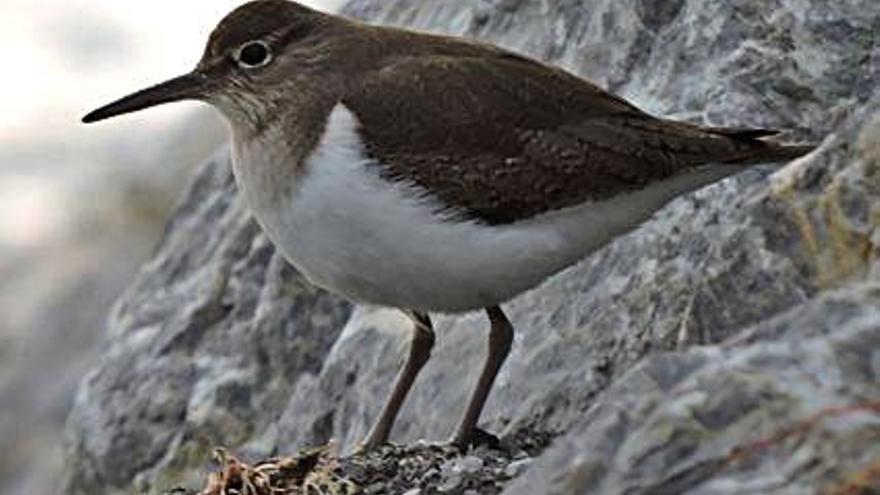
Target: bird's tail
755, 148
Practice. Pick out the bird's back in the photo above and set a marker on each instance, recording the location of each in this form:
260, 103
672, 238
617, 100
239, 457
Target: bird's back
499, 137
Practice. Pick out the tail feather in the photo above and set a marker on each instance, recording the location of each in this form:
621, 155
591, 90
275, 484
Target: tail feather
691, 144
756, 149
760, 151
741, 132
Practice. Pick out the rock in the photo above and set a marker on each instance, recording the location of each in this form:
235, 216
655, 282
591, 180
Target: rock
454, 472
80, 218
215, 328
727, 345
430, 469
419, 469
790, 406
53, 303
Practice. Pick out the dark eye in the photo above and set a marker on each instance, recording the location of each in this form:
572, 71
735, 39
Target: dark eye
253, 54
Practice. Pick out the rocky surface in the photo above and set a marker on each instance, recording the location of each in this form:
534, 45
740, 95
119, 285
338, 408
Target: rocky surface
89, 215
242, 329
421, 468
729, 345
790, 407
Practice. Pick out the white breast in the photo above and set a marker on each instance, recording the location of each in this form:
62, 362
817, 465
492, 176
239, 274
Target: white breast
354, 233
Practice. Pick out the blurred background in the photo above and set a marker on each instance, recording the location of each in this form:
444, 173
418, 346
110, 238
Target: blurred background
82, 206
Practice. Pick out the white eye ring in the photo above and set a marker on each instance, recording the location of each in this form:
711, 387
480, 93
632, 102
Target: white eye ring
253, 54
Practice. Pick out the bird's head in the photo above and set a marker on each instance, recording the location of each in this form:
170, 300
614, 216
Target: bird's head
257, 53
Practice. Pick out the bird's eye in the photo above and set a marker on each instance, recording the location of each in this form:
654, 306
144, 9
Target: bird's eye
253, 54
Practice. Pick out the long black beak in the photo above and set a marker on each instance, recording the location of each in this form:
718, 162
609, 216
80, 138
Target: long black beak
187, 86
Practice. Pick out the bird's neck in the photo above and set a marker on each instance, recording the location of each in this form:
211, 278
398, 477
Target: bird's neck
269, 160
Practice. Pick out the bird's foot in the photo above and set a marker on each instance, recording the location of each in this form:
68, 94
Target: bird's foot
476, 437
366, 446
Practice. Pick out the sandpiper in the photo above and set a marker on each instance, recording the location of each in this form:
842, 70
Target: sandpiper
432, 173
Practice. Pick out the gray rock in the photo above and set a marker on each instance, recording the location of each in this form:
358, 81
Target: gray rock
215, 328
454, 471
791, 407
54, 302
765, 285
108, 204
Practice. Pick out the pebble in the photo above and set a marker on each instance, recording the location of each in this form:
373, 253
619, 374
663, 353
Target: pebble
376, 488
470, 464
450, 483
515, 468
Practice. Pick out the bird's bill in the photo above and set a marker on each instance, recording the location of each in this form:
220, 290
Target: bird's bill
187, 86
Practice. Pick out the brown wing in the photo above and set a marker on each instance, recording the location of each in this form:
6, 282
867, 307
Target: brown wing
501, 138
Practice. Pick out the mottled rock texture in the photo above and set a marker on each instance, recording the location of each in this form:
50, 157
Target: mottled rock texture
729, 345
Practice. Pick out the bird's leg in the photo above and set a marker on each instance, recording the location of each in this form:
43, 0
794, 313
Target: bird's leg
419, 352
500, 340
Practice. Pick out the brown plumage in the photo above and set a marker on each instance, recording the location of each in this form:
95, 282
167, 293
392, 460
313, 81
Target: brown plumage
492, 135
487, 135
495, 136
501, 138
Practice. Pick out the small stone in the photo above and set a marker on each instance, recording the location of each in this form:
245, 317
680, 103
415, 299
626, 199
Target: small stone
516, 468
431, 475
470, 464
449, 483
376, 488
413, 491
520, 455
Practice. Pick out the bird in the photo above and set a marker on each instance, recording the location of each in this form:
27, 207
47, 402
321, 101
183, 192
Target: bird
435, 174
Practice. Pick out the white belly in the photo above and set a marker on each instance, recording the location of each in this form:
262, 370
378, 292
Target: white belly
353, 233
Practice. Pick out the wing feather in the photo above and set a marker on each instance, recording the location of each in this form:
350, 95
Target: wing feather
500, 137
